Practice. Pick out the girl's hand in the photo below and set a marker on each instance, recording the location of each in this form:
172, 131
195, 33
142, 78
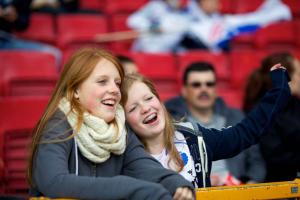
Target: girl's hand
277, 66
183, 193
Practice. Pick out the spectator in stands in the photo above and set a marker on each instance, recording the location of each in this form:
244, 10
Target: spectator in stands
162, 24
214, 31
55, 6
199, 102
14, 16
128, 64
280, 145
81, 148
191, 149
166, 27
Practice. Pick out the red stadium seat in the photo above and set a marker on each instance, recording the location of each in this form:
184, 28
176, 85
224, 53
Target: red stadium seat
297, 32
227, 6
242, 6
242, 63
218, 60
244, 42
41, 28
297, 54
27, 73
118, 23
232, 97
295, 7
161, 69
97, 5
279, 36
78, 29
119, 6
19, 115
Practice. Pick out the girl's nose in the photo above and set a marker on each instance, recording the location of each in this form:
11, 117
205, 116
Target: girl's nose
145, 108
114, 88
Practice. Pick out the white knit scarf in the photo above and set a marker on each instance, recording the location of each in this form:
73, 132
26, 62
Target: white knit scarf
96, 139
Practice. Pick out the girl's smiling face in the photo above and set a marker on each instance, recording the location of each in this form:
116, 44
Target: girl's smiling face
100, 93
144, 111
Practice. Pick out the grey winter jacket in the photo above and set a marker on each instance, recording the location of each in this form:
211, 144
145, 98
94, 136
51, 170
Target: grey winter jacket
132, 175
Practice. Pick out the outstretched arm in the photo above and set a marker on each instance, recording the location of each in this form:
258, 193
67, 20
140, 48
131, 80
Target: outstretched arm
230, 141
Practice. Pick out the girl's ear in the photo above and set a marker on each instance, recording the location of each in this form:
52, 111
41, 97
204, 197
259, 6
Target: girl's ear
76, 95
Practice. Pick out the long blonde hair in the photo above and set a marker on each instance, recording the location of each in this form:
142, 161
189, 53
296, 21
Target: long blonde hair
169, 130
75, 72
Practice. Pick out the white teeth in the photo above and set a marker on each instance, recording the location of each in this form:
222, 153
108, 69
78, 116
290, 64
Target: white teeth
109, 102
150, 117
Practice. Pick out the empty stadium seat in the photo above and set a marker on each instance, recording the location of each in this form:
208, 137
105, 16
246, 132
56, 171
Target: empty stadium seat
41, 28
27, 73
243, 42
78, 29
295, 7
97, 5
218, 60
279, 36
242, 6
233, 97
297, 32
117, 24
226, 6
242, 63
119, 6
19, 115
161, 69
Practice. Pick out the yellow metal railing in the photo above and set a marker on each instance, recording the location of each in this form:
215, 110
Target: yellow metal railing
275, 190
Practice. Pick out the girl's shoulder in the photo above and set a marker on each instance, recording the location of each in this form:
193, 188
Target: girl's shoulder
188, 128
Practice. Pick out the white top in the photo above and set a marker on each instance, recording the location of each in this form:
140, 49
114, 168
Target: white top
171, 22
188, 171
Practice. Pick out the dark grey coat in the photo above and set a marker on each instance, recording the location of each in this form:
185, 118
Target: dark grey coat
133, 175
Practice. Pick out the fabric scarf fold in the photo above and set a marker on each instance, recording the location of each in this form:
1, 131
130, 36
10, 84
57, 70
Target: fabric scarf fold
96, 139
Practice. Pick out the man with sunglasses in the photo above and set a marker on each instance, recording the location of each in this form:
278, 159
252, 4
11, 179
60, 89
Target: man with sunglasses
199, 102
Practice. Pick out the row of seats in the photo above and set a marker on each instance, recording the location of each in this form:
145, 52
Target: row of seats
242, 6
19, 116
69, 30
227, 6
34, 73
112, 6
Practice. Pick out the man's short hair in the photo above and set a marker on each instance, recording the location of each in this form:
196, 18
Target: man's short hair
124, 59
197, 67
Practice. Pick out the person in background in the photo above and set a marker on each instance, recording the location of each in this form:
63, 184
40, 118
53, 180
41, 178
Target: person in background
189, 148
128, 64
181, 25
279, 147
213, 31
162, 24
81, 148
200, 102
15, 16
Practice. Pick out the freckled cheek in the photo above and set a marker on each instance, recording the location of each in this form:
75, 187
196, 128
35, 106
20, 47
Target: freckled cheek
93, 101
133, 120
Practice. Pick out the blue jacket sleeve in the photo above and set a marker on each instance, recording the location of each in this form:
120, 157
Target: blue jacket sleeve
230, 141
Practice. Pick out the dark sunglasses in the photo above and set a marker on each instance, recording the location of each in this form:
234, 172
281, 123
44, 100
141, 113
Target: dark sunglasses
200, 84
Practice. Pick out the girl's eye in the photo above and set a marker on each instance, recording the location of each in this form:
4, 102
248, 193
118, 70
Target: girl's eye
101, 81
118, 83
132, 109
149, 98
